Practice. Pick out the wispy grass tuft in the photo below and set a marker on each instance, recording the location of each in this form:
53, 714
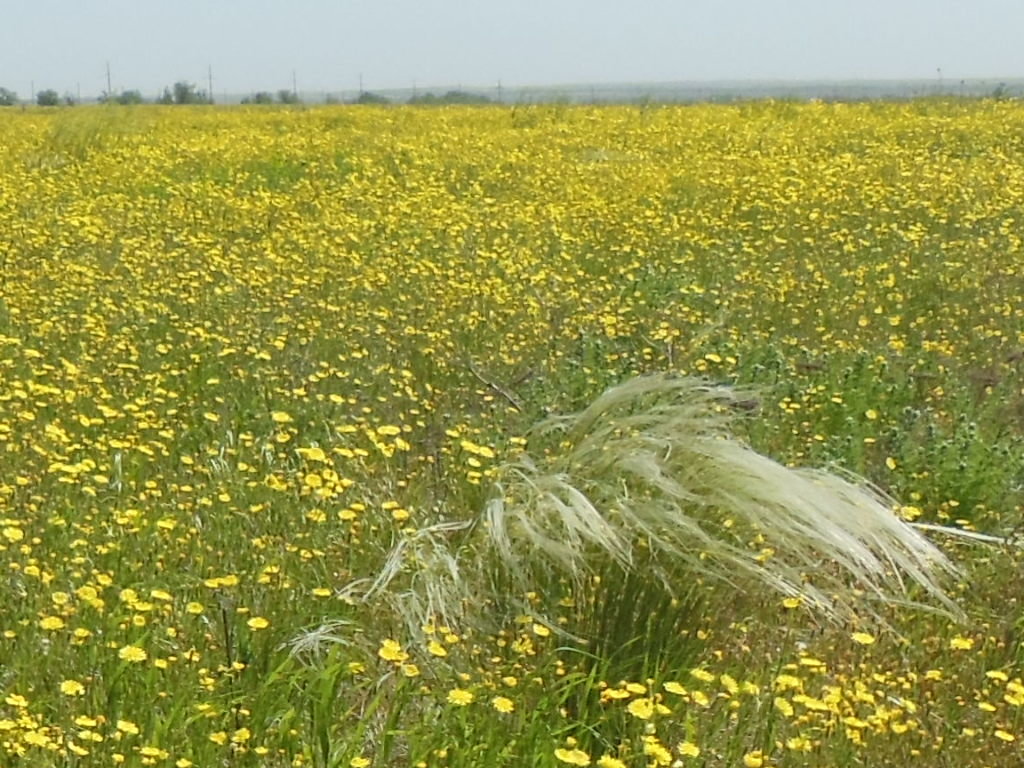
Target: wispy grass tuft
652, 475
650, 481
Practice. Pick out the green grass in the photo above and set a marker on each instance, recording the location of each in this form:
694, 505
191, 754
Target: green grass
287, 403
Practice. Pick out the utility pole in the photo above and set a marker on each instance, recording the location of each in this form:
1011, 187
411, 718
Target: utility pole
32, 88
295, 86
110, 90
360, 83
499, 90
209, 82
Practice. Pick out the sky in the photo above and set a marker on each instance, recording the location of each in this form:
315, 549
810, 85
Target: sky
332, 45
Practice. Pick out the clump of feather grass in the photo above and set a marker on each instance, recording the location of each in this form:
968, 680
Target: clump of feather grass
650, 479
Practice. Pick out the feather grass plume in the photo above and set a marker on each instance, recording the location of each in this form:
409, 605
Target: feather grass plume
650, 481
651, 474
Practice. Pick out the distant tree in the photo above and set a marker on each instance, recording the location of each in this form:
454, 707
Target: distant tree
129, 97
184, 93
8, 98
287, 97
369, 97
260, 97
166, 97
427, 98
187, 93
451, 97
47, 98
465, 97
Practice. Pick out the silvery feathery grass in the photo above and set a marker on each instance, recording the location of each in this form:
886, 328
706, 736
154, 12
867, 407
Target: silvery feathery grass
649, 479
652, 467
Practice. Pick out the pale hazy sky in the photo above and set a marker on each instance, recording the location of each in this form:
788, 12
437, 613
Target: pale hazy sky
256, 44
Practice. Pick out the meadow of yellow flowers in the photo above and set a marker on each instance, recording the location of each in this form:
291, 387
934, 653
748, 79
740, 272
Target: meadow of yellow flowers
244, 353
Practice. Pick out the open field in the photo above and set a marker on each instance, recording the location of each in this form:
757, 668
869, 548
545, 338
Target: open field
244, 353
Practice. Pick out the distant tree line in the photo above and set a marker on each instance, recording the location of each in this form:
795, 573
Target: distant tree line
450, 97
284, 96
127, 97
44, 98
184, 92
